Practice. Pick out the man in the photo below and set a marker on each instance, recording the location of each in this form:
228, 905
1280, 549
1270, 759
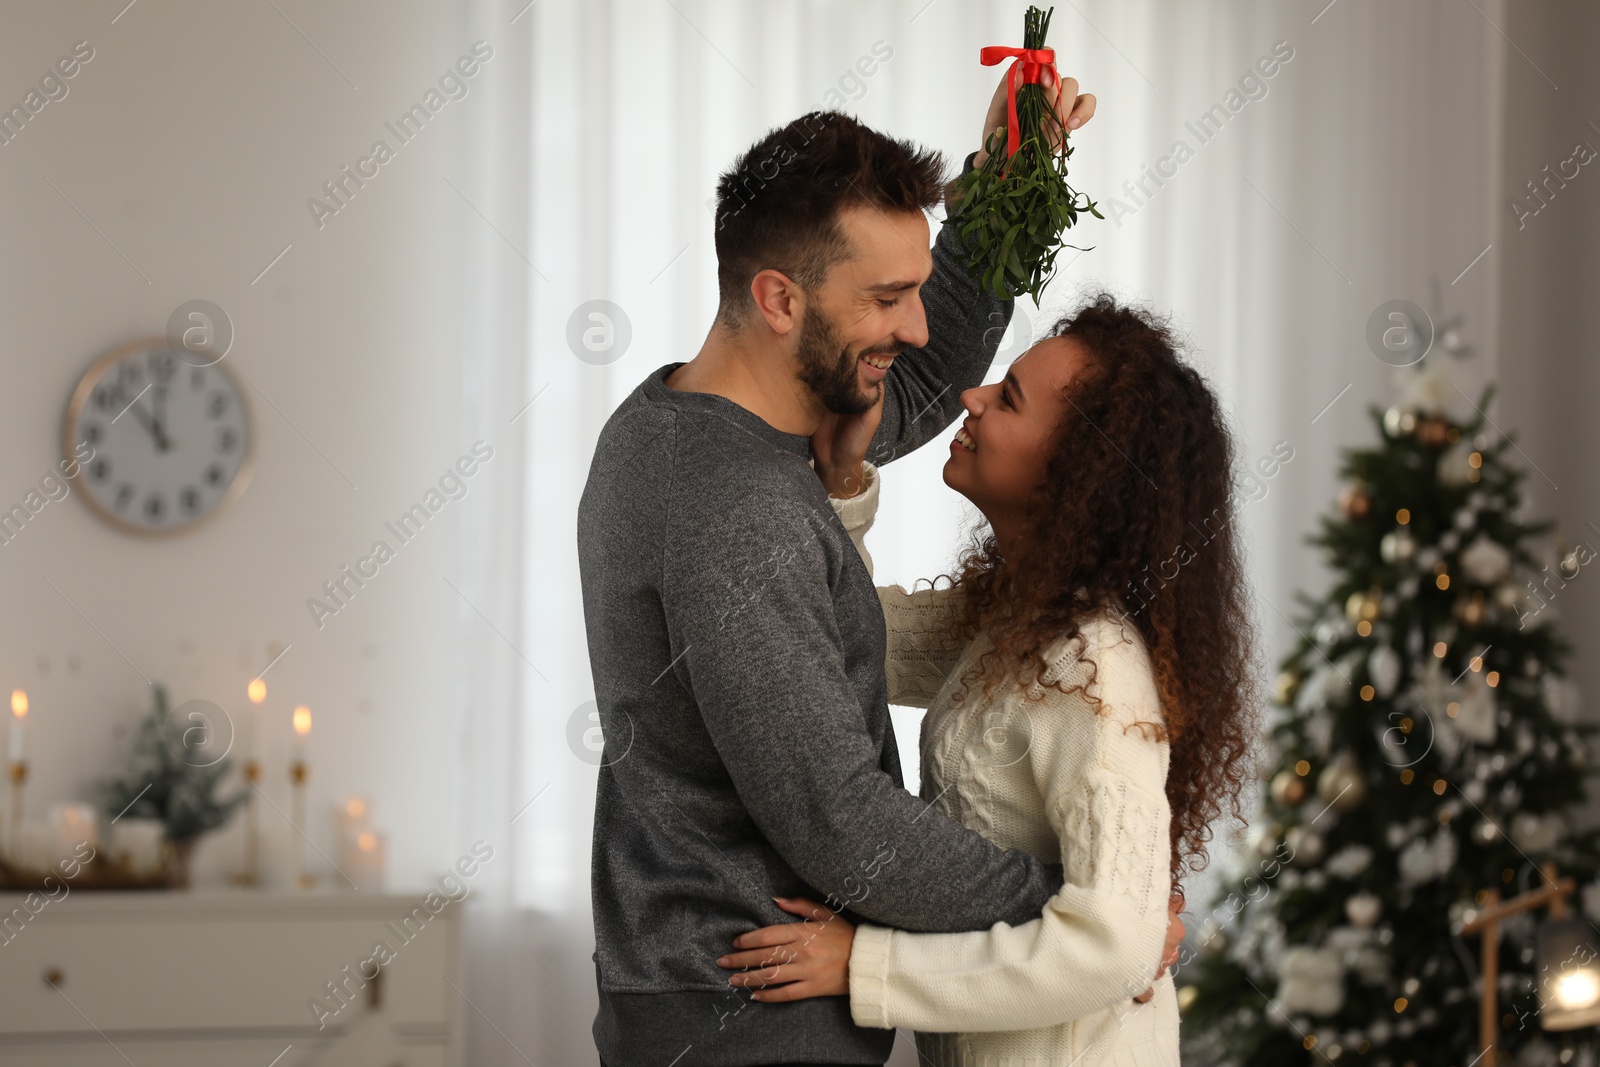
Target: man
735, 638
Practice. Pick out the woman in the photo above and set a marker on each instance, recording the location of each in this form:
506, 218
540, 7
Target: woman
1091, 693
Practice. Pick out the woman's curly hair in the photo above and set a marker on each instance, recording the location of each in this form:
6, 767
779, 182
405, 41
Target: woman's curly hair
1136, 507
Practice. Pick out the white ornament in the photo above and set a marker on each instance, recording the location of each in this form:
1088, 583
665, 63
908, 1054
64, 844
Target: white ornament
1454, 468
1313, 692
1384, 666
1466, 519
1427, 387
1536, 833
1446, 738
1561, 697
1306, 846
1347, 939
1432, 690
1349, 861
1486, 561
1397, 546
1397, 422
1591, 901
1311, 980
1423, 860
1363, 910
1476, 720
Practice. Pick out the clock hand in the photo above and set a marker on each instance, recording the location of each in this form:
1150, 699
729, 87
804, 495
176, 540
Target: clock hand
156, 433
161, 418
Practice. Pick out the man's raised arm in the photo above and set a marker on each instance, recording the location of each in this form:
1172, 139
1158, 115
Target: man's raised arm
922, 391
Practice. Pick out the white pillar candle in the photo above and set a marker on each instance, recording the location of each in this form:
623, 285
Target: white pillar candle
19, 726
136, 843
362, 859
72, 825
351, 817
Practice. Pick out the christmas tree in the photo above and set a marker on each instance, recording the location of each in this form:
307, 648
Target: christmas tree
1424, 751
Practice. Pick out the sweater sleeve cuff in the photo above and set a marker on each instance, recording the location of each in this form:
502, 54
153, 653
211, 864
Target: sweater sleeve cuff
857, 512
869, 976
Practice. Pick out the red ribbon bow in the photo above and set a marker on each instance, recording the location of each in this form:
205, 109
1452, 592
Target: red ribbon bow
1026, 68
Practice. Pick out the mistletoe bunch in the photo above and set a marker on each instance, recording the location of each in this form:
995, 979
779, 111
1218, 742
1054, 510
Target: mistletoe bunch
1012, 210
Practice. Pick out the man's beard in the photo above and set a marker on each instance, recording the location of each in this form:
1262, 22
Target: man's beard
828, 368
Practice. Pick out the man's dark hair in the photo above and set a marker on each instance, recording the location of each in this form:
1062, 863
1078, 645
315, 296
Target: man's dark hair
778, 205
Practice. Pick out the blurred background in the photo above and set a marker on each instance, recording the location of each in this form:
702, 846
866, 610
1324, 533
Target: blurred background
395, 222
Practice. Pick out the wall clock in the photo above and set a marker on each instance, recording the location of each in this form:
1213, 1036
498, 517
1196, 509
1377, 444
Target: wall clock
172, 441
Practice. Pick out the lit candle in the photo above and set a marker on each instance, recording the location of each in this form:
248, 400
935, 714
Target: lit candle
74, 824
257, 692
351, 817
363, 860
302, 727
19, 726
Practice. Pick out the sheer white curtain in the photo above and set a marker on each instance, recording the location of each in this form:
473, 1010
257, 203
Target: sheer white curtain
1355, 173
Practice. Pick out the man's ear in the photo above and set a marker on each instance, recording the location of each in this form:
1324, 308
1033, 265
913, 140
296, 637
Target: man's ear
778, 299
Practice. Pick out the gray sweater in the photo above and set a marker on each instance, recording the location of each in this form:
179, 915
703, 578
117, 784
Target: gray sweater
737, 647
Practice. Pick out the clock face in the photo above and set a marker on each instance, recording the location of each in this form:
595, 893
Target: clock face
171, 441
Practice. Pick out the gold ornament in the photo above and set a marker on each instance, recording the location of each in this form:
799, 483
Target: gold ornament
1307, 846
1434, 433
1288, 789
1364, 605
1507, 596
1398, 423
1341, 784
1354, 501
1284, 688
1354, 605
1186, 996
1397, 546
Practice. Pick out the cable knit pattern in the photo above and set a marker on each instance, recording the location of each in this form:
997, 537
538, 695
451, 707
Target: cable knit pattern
1065, 779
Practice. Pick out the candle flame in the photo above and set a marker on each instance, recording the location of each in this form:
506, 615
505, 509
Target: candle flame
1577, 990
256, 691
355, 807
366, 841
302, 720
19, 703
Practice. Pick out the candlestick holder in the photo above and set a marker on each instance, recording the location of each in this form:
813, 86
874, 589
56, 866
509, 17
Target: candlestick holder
301, 878
251, 874
19, 776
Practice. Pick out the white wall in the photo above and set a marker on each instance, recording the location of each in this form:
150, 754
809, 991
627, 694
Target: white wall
192, 141
1550, 377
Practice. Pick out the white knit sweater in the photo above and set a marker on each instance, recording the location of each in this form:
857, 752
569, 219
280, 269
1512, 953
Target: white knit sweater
1062, 779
